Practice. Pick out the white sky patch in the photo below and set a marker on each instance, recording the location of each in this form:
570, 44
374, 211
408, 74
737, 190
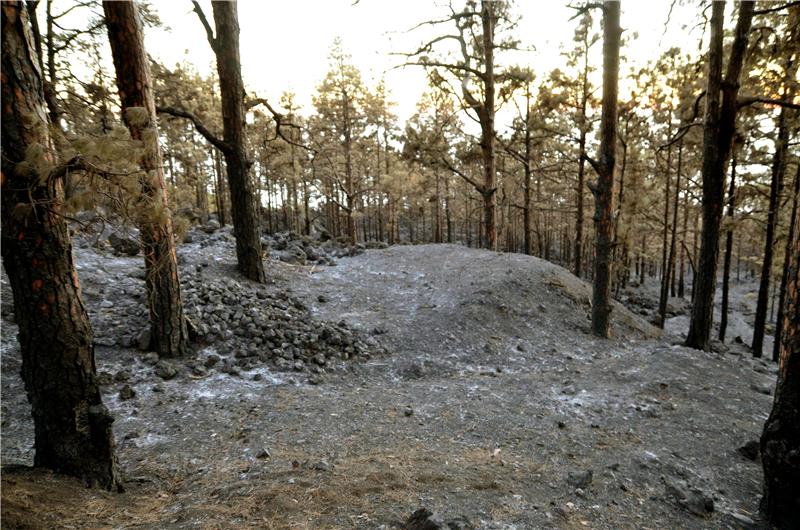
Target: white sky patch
285, 45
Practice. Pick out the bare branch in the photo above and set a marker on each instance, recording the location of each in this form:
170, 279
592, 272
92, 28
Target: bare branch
198, 124
744, 102
209, 32
773, 9
451, 167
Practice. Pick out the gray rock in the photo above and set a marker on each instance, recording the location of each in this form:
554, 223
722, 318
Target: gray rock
126, 393
690, 498
144, 341
211, 226
123, 245
322, 465
750, 450
762, 389
166, 370
580, 479
424, 519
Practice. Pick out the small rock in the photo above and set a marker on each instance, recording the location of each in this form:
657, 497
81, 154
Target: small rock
123, 245
126, 393
424, 519
257, 377
762, 389
750, 450
580, 479
144, 341
166, 370
408, 411
692, 499
211, 360
322, 299
104, 378
150, 358
264, 454
322, 465
122, 376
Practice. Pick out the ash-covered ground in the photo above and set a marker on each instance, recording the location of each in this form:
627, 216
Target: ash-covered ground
350, 395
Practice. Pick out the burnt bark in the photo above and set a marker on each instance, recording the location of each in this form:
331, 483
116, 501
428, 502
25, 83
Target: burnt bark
72, 426
578, 268
776, 185
726, 266
487, 127
786, 263
603, 189
134, 82
781, 437
718, 133
243, 195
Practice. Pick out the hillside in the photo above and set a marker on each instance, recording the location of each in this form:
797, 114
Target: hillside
471, 388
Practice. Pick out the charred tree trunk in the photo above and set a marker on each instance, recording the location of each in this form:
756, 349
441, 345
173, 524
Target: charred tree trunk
786, 262
781, 436
243, 197
487, 127
718, 134
664, 291
604, 188
72, 427
778, 170
155, 223
726, 265
220, 189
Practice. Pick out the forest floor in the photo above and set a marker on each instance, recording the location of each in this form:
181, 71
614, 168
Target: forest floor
493, 405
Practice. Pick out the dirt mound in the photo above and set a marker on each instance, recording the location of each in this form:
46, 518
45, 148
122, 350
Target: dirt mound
475, 294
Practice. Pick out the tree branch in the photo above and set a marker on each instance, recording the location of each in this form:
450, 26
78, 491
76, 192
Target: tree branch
773, 9
198, 124
744, 102
209, 32
448, 165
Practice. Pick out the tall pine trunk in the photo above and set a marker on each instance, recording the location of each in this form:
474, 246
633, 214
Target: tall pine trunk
718, 133
72, 427
155, 223
726, 265
786, 262
776, 184
781, 437
486, 118
603, 190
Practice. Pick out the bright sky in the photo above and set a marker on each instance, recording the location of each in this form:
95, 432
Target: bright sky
285, 44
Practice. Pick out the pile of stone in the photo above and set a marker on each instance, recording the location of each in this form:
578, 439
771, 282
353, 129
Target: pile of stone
291, 247
251, 324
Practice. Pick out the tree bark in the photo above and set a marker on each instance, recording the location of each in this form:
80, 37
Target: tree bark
487, 127
134, 82
72, 426
726, 266
662, 299
776, 185
603, 190
718, 134
781, 437
786, 262
581, 164
244, 200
